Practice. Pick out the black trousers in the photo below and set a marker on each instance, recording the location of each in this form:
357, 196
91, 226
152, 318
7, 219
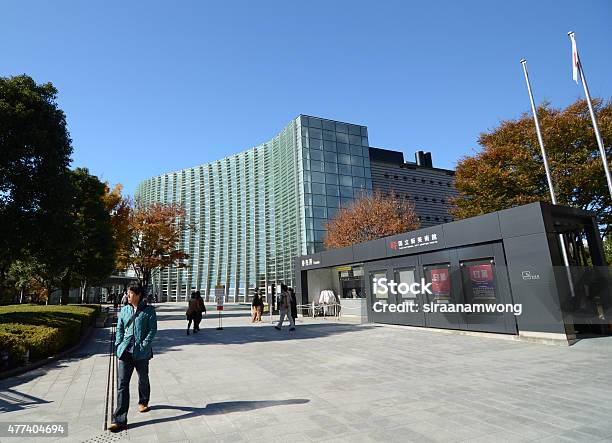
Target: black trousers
127, 364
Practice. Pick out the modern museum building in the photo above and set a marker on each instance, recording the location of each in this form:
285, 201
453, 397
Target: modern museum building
257, 210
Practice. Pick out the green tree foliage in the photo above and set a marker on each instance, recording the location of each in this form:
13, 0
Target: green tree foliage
93, 255
55, 224
26, 276
35, 150
607, 243
509, 170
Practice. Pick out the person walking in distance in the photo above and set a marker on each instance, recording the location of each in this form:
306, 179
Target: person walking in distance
125, 300
284, 303
293, 304
192, 312
200, 311
257, 307
136, 329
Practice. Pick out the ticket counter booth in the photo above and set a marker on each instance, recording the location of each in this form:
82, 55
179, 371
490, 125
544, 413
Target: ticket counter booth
507, 263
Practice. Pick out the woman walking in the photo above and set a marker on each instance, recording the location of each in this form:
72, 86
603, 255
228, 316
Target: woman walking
257, 307
201, 310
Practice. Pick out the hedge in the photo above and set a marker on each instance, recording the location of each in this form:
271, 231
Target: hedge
43, 330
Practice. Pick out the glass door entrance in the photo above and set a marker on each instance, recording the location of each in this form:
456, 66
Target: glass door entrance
409, 288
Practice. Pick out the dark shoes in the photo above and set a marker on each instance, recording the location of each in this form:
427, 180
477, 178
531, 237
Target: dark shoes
117, 427
187, 331
292, 328
143, 408
277, 328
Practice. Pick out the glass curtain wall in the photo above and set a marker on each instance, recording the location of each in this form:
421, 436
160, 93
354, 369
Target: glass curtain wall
335, 169
257, 210
245, 211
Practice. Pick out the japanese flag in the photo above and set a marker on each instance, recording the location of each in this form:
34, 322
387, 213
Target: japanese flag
575, 59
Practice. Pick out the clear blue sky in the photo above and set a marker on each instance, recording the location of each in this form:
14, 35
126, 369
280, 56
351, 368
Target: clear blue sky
150, 87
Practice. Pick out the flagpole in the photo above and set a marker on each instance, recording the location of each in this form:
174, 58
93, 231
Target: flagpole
602, 150
551, 188
539, 132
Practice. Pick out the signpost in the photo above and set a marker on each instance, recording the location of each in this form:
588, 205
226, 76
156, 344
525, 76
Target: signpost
270, 302
219, 296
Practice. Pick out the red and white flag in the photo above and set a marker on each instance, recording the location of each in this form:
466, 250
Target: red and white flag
575, 59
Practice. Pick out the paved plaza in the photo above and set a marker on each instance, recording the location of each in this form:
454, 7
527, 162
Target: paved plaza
328, 381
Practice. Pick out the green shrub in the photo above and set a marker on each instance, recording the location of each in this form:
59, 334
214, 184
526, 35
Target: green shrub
41, 341
14, 345
75, 318
43, 330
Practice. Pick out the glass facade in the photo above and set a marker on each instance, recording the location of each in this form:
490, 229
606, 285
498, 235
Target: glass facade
257, 210
334, 169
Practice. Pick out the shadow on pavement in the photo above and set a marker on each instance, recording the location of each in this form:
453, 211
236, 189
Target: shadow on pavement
12, 400
167, 339
216, 408
210, 315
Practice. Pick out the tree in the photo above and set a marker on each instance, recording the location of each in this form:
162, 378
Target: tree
26, 275
607, 244
369, 217
94, 254
509, 170
91, 254
119, 209
153, 239
35, 152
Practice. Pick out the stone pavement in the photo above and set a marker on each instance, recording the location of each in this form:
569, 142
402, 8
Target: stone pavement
329, 381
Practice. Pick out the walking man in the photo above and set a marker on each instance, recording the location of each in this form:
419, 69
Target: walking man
136, 328
285, 303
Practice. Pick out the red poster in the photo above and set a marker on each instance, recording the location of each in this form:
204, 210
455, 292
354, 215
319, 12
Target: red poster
481, 277
440, 283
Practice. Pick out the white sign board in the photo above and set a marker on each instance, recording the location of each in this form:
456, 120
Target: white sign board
219, 296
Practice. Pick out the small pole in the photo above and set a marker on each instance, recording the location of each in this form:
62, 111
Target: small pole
220, 328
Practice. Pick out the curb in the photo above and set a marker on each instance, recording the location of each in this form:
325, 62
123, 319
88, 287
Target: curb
23, 369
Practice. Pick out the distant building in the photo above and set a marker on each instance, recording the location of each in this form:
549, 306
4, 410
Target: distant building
428, 188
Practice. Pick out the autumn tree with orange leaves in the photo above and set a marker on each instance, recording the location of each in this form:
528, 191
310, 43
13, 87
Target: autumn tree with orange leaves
152, 239
509, 170
369, 217
119, 209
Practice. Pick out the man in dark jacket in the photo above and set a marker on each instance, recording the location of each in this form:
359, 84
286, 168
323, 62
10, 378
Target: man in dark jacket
136, 328
287, 308
293, 302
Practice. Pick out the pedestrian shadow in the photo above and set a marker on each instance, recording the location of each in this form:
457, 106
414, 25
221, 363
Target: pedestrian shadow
210, 315
225, 407
12, 400
170, 340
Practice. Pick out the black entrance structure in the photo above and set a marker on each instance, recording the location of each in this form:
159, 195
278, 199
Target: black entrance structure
510, 258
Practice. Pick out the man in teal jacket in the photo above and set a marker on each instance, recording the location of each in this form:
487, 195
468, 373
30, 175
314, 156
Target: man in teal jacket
136, 328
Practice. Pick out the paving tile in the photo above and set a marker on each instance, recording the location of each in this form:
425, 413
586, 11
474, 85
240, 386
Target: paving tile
331, 382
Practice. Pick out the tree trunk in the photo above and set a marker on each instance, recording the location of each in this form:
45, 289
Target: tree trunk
146, 278
21, 296
65, 295
83, 290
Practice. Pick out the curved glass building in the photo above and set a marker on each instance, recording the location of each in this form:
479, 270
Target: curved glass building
257, 210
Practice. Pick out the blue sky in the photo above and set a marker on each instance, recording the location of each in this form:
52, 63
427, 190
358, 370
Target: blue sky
150, 87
